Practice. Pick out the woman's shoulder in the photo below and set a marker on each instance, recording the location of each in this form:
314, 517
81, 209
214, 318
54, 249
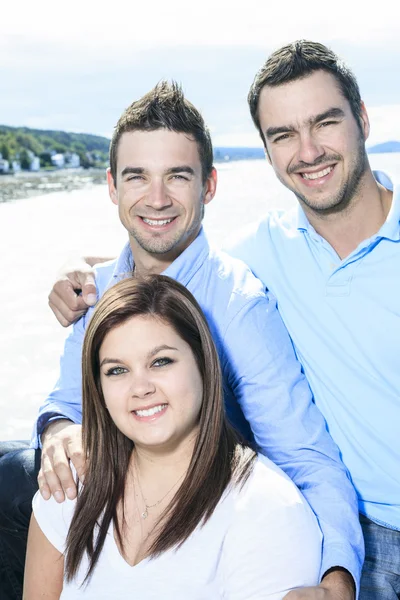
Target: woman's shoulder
268, 485
273, 542
54, 518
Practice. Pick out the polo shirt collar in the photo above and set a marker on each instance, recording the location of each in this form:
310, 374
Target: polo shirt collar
182, 269
391, 227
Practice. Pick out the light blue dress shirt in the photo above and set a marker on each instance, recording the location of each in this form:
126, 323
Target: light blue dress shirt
263, 386
344, 319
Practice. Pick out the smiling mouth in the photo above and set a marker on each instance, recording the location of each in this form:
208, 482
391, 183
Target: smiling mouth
157, 222
318, 174
149, 412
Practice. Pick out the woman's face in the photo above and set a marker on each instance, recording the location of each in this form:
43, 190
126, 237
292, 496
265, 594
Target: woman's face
151, 383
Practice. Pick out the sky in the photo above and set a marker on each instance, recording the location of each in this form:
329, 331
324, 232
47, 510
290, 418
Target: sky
76, 65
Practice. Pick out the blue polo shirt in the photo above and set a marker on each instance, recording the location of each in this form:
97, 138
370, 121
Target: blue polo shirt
344, 319
266, 394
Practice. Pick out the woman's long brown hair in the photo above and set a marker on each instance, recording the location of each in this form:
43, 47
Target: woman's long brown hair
219, 455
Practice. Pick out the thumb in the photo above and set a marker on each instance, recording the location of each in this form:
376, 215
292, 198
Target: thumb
89, 290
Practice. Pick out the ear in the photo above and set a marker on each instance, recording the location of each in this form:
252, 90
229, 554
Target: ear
112, 190
210, 186
365, 126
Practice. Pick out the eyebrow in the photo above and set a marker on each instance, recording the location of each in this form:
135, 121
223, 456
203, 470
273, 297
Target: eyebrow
180, 169
132, 170
171, 171
328, 114
153, 352
158, 349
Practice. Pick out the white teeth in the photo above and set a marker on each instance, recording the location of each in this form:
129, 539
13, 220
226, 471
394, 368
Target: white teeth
150, 411
158, 222
317, 175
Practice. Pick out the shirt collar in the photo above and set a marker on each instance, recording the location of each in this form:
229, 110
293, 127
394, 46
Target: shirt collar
182, 269
391, 227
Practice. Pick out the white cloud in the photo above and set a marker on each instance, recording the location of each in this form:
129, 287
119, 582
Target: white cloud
126, 23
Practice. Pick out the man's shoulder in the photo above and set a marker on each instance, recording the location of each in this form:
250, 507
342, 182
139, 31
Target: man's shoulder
233, 275
257, 243
274, 224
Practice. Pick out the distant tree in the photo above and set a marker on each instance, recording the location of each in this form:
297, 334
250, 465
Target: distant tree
4, 151
60, 148
45, 159
84, 160
25, 160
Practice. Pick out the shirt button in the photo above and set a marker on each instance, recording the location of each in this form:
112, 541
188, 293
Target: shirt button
332, 266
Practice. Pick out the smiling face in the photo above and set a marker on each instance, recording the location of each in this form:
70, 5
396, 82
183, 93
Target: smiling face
160, 191
313, 141
151, 383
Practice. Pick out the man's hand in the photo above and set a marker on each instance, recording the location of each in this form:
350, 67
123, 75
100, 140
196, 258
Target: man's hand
61, 442
337, 584
64, 300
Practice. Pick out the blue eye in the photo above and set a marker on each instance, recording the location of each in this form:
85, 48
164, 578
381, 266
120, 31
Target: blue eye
115, 371
162, 362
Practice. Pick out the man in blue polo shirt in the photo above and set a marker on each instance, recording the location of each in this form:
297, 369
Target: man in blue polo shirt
334, 265
161, 176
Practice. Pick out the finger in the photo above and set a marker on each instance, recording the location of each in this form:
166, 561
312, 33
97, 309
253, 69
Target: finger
66, 291
63, 471
63, 314
51, 479
89, 290
43, 487
75, 453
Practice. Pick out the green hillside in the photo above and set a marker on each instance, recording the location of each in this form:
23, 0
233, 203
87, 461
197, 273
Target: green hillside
15, 142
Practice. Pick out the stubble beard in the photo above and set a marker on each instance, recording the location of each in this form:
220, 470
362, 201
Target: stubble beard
343, 198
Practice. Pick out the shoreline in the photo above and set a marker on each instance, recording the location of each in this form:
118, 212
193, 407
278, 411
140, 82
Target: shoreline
24, 185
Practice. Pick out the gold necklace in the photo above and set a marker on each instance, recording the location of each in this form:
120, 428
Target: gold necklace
145, 513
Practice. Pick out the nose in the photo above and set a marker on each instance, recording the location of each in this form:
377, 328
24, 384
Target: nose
142, 386
157, 197
309, 150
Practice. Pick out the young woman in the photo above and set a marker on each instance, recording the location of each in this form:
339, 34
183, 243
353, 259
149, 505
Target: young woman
174, 505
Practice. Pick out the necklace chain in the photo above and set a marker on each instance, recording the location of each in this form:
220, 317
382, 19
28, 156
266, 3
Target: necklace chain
145, 513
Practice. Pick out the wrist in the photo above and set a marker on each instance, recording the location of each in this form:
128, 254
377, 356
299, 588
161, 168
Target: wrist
54, 427
340, 580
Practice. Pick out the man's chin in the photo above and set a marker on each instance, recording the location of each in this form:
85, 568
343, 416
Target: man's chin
156, 247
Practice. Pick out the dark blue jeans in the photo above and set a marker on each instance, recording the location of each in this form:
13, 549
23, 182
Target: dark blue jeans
19, 466
381, 572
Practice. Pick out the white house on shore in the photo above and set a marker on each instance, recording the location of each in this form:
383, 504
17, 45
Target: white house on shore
34, 164
72, 160
4, 166
58, 160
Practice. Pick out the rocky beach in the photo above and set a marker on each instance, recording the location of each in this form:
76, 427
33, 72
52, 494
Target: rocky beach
27, 184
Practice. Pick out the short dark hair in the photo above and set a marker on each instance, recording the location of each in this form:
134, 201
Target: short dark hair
298, 60
219, 456
164, 107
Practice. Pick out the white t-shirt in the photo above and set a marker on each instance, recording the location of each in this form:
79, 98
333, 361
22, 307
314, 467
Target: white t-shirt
261, 541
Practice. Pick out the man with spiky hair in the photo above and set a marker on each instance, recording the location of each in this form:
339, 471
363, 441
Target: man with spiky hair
333, 264
161, 177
